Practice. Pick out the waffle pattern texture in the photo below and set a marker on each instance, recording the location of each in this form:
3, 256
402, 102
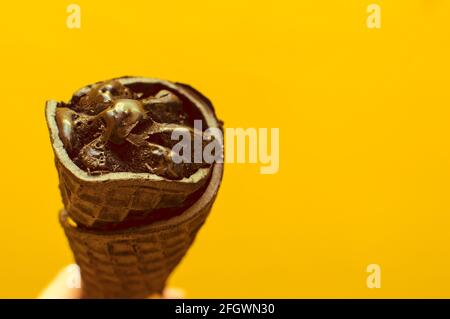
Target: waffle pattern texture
91, 202
134, 263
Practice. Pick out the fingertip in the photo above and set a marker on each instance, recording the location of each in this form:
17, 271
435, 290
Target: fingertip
169, 293
174, 293
65, 285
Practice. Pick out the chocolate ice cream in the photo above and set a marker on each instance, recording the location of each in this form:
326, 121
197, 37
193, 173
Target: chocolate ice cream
114, 128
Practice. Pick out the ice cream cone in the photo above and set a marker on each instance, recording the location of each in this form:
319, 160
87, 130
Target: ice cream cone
118, 256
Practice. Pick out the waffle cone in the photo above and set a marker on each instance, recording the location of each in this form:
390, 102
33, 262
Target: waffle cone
136, 262
114, 197
119, 258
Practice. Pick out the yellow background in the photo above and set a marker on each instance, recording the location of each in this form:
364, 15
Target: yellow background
364, 127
